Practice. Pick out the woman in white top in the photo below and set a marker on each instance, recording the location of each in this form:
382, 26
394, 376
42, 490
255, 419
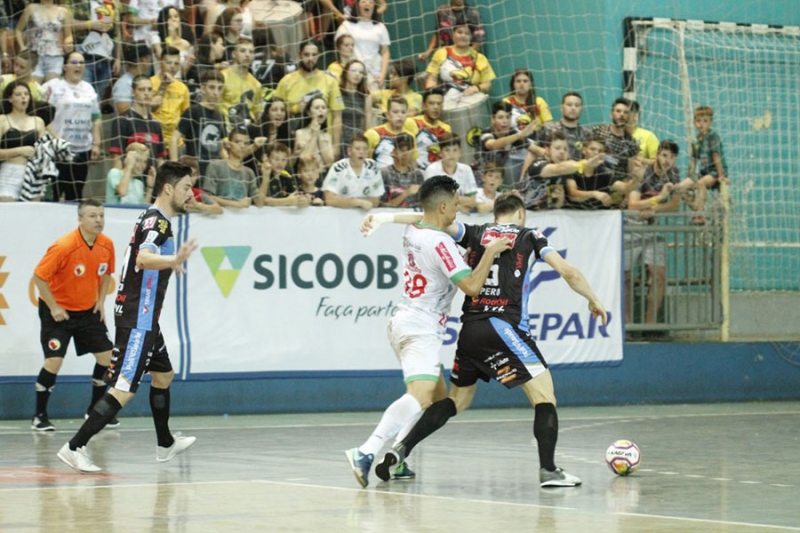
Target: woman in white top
313, 141
371, 40
19, 130
77, 120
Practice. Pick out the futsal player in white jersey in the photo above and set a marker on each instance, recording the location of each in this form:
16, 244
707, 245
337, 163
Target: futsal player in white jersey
433, 269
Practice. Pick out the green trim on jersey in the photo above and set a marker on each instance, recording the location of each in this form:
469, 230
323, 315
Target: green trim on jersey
420, 225
421, 377
458, 276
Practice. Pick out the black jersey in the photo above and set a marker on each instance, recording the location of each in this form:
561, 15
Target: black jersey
507, 288
140, 293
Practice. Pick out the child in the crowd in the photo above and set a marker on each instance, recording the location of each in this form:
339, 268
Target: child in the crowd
706, 162
203, 203
307, 177
130, 185
492, 181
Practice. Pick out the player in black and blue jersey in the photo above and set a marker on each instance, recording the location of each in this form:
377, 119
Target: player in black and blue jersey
139, 346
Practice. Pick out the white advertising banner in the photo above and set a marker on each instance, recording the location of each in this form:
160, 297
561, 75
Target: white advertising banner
286, 290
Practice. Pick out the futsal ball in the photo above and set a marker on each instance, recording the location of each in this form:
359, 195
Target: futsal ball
623, 457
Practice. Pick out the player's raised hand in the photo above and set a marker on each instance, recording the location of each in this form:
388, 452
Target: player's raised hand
186, 250
597, 310
498, 246
373, 222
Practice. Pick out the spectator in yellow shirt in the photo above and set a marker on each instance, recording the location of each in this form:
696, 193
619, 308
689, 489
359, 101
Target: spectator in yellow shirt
242, 91
170, 95
648, 142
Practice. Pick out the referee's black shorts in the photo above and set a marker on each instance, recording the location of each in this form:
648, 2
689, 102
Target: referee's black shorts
495, 349
85, 327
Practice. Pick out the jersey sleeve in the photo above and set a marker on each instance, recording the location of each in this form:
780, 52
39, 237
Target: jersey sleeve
540, 243
154, 232
436, 62
51, 263
450, 261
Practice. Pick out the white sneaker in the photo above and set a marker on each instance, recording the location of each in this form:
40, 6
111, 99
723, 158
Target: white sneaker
557, 478
78, 460
180, 445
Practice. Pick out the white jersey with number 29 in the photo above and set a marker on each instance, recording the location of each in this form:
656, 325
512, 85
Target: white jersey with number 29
433, 265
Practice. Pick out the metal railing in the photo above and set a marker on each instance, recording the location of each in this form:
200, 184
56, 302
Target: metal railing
673, 273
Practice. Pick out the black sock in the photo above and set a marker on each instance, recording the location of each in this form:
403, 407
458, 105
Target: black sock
432, 419
101, 414
159, 405
98, 385
545, 429
45, 384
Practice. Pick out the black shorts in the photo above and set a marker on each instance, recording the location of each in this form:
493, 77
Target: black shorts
494, 348
85, 327
136, 351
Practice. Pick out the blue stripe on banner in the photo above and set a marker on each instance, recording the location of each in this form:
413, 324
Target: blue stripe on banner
512, 340
133, 352
185, 305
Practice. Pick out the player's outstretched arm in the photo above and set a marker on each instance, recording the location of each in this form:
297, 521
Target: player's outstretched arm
374, 221
577, 282
149, 260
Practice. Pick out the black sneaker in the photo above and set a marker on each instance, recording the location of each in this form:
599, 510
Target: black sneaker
42, 423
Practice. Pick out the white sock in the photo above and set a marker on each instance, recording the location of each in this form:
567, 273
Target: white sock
411, 423
395, 418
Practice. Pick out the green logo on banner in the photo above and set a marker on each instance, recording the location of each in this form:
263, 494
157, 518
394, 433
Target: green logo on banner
225, 274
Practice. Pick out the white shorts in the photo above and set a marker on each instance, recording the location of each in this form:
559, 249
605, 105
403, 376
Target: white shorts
11, 178
48, 65
417, 352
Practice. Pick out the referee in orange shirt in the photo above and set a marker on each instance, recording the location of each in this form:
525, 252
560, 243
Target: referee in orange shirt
73, 279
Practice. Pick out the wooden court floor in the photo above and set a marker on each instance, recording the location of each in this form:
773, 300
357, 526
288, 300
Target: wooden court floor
731, 468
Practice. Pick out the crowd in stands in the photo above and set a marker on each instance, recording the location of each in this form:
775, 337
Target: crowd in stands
212, 86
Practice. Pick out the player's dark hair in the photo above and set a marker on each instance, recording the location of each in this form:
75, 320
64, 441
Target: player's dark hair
435, 190
438, 90
508, 203
89, 202
501, 106
621, 100
170, 173
669, 145
571, 93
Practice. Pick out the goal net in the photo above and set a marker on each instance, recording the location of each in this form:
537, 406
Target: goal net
749, 75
